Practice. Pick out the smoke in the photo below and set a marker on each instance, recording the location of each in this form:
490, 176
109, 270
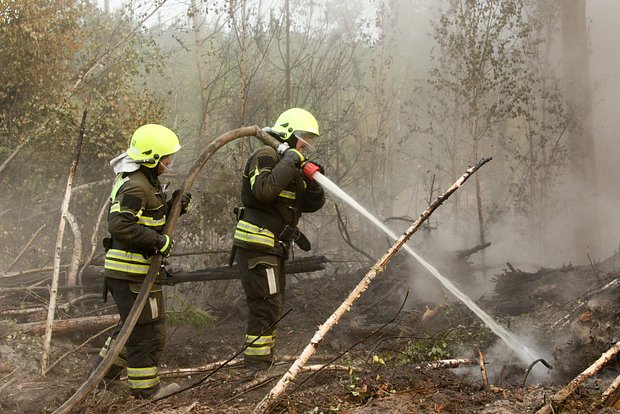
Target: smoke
604, 69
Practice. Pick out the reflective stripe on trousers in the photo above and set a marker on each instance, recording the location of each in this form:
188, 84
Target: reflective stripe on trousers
262, 345
141, 378
120, 360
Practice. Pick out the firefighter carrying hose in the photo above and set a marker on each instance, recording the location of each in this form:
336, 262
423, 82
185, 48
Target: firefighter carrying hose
276, 189
137, 215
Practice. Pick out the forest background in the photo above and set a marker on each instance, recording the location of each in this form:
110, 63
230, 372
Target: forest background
408, 94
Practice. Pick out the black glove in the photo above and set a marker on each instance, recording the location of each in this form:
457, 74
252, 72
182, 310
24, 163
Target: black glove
164, 244
186, 201
285, 151
295, 156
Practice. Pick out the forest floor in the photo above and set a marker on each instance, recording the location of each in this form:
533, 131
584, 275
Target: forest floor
379, 366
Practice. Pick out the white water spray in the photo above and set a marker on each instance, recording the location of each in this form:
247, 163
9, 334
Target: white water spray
525, 354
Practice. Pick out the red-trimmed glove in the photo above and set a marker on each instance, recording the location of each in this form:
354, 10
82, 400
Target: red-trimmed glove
310, 168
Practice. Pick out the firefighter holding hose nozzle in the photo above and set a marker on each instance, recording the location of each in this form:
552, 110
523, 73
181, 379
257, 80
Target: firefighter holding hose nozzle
277, 188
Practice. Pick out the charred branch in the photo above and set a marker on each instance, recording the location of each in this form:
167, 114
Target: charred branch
300, 265
464, 254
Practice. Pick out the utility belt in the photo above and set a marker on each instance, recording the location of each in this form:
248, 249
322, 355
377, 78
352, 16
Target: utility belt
268, 234
119, 258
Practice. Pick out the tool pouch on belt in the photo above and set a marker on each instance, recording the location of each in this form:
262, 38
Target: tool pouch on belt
271, 264
154, 307
292, 233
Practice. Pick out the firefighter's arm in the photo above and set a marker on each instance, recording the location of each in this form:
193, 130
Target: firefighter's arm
123, 222
269, 175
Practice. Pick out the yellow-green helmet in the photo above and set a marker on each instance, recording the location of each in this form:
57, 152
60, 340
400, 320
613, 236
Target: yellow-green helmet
295, 119
150, 142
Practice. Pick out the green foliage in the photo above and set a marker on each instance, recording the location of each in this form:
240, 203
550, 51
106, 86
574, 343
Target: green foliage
184, 313
450, 344
58, 59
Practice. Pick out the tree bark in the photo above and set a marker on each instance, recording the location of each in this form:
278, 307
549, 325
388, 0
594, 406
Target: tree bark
67, 325
74, 264
611, 396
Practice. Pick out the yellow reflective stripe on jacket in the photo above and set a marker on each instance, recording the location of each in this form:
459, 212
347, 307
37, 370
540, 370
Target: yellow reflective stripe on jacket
115, 207
117, 186
150, 221
251, 233
143, 220
256, 173
140, 378
129, 262
291, 195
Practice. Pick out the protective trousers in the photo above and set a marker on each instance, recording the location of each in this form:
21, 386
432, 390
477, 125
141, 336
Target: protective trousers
145, 345
264, 283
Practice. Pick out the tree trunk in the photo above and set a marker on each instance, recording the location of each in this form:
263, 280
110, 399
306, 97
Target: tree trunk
58, 249
580, 133
74, 265
202, 78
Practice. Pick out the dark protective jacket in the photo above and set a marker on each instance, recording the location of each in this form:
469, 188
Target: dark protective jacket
137, 216
274, 194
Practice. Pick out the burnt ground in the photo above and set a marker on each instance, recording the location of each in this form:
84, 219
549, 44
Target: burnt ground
379, 372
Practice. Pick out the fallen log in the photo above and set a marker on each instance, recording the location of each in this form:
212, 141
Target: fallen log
272, 397
300, 265
565, 392
611, 396
65, 325
94, 274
